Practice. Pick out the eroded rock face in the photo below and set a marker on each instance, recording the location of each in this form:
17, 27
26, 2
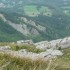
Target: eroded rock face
24, 29
34, 32
20, 27
28, 27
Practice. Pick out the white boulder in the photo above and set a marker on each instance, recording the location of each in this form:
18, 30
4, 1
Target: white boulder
51, 52
65, 43
3, 48
43, 45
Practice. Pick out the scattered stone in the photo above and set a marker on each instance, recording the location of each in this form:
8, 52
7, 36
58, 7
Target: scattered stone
25, 42
51, 48
3, 48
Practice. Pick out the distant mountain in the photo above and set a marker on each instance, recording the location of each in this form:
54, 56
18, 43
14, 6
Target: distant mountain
34, 19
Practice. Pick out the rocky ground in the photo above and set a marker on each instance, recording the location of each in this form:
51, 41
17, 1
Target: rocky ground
44, 55
51, 49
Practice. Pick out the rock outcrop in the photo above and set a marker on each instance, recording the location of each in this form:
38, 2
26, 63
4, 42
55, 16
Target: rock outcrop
51, 49
54, 44
42, 45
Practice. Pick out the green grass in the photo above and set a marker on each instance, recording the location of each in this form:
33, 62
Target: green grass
3, 44
45, 10
8, 62
65, 7
16, 47
12, 63
32, 10
29, 48
63, 62
8, 33
66, 10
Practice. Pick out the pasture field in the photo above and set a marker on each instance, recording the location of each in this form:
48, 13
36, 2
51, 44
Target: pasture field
35, 10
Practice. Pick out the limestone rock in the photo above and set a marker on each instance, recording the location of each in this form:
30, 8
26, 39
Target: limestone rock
42, 45
3, 48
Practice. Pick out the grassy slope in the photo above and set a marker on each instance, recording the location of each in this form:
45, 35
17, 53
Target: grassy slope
7, 62
63, 62
11, 63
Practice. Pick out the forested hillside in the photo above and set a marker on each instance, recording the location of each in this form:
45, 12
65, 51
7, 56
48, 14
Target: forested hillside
34, 19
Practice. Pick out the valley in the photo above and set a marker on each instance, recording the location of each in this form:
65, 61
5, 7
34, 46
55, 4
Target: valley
34, 20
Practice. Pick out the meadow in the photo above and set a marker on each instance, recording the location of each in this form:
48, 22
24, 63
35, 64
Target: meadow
36, 10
